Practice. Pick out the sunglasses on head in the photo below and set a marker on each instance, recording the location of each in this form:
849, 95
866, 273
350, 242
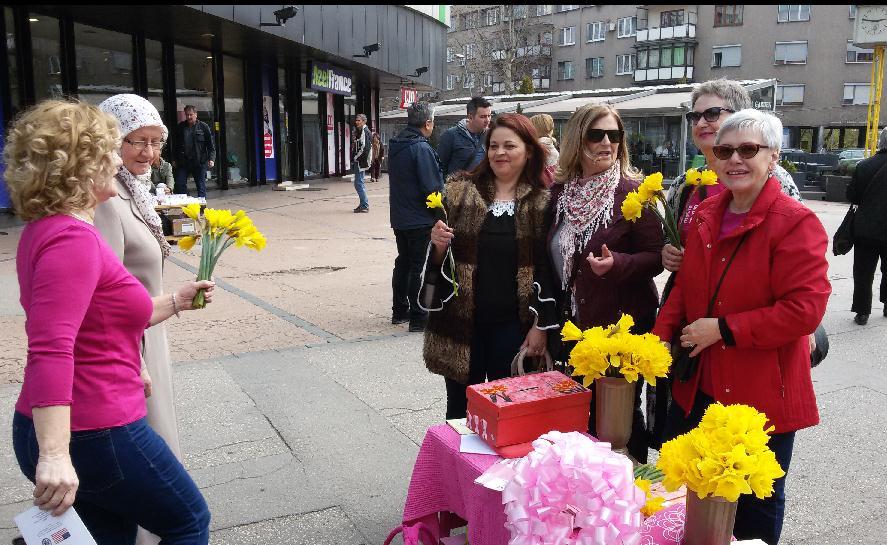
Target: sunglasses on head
711, 115
746, 150
596, 135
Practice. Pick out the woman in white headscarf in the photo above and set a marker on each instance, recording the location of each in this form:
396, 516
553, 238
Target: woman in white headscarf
133, 229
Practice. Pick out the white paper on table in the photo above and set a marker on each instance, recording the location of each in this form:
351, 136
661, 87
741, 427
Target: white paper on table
42, 528
498, 475
458, 424
473, 444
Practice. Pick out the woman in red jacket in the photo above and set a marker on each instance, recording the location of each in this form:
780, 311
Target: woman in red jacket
753, 343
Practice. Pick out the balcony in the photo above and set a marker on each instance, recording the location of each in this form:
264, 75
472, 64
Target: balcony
661, 75
685, 32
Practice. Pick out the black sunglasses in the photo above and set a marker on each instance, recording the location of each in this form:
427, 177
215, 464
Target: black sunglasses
596, 135
711, 115
746, 150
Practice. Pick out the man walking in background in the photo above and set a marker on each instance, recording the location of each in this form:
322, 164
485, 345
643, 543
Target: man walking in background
462, 146
361, 158
195, 152
413, 173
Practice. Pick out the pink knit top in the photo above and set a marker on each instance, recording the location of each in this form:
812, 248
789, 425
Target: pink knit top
85, 318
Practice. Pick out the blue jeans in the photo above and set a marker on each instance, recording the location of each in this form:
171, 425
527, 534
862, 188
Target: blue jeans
128, 478
359, 185
755, 519
199, 173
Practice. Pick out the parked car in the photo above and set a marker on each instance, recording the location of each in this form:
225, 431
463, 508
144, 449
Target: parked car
851, 156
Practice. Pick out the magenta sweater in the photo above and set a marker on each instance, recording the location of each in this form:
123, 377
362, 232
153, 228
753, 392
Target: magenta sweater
85, 318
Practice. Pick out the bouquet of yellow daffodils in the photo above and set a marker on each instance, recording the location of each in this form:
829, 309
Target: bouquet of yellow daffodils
218, 230
726, 455
614, 351
435, 200
649, 195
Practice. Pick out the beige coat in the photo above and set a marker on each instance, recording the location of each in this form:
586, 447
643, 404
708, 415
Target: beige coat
126, 232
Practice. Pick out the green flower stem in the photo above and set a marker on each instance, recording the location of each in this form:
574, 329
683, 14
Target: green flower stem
668, 222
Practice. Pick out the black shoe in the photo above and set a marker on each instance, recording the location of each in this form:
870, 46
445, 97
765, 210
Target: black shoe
360, 209
885, 311
397, 318
861, 319
18, 540
417, 326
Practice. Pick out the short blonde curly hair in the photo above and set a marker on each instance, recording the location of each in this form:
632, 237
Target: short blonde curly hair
59, 154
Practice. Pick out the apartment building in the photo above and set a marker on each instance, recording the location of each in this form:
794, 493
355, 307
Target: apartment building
823, 80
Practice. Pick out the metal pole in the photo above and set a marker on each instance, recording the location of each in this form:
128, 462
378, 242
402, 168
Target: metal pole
682, 165
875, 88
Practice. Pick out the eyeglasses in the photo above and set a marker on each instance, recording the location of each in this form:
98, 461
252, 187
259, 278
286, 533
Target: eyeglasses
596, 135
711, 115
140, 145
746, 150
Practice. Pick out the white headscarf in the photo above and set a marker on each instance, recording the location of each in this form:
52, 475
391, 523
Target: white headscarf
134, 112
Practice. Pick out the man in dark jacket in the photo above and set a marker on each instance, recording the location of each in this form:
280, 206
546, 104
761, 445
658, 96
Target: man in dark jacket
414, 173
195, 152
462, 146
868, 190
361, 159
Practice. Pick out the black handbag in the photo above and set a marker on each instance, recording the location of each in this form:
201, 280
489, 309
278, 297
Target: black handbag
821, 351
842, 242
683, 365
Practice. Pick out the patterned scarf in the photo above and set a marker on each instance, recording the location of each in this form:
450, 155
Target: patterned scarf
145, 204
585, 206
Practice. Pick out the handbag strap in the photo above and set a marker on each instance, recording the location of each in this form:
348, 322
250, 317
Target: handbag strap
517, 364
711, 304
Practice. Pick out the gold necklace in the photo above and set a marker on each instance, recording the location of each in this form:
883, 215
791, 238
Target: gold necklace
79, 217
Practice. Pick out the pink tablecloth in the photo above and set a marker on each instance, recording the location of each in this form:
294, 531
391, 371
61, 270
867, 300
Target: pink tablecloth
443, 481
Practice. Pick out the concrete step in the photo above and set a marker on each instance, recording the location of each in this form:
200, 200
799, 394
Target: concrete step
812, 195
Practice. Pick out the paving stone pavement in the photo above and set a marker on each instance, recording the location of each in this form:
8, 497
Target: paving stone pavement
301, 408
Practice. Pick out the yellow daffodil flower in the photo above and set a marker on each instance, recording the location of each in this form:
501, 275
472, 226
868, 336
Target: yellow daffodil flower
434, 200
692, 177
192, 211
708, 177
187, 242
632, 206
570, 332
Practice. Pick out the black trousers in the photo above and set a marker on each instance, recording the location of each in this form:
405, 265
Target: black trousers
493, 348
411, 247
865, 260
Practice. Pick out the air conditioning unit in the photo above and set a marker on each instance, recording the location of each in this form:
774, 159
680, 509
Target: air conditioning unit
612, 26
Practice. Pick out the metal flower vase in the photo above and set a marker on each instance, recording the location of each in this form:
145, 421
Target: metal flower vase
709, 520
614, 406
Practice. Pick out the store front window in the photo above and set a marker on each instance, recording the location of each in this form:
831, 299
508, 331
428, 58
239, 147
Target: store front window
313, 135
283, 134
154, 62
46, 46
104, 63
194, 86
235, 122
11, 56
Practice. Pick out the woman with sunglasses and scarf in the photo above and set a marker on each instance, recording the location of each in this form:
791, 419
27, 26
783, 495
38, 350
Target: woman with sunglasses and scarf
603, 263
712, 103
753, 287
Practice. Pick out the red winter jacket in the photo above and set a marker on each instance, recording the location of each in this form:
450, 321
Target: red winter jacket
773, 297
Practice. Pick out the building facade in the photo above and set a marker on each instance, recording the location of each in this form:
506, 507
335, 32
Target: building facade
823, 80
280, 85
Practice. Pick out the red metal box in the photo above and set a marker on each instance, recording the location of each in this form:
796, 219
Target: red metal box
520, 409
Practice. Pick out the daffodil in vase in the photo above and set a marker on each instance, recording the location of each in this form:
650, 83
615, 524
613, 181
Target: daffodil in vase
218, 230
614, 358
725, 456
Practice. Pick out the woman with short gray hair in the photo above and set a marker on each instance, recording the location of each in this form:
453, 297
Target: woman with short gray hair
766, 252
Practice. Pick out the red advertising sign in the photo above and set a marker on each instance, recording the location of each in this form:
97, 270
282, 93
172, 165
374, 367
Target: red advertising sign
408, 97
269, 146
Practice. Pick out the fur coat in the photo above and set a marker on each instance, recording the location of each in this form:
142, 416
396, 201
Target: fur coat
450, 328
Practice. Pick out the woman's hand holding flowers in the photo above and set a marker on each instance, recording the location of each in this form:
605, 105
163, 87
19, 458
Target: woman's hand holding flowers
185, 294
441, 235
672, 258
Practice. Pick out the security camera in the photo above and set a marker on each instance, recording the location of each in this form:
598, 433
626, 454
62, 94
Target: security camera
369, 49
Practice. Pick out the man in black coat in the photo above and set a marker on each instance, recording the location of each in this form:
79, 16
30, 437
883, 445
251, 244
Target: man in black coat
868, 190
195, 151
414, 173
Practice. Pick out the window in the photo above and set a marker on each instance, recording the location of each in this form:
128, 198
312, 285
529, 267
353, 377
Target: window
567, 8
492, 16
858, 54
853, 11
671, 18
653, 58
546, 38
789, 13
488, 81
594, 67
724, 56
625, 64
542, 77
626, 26
791, 52
519, 11
677, 56
641, 60
472, 20
468, 81
454, 22
565, 70
451, 82
789, 94
543, 9
594, 32
567, 36
470, 51
728, 15
856, 93
104, 61
450, 55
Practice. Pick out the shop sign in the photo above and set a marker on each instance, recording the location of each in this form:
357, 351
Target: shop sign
268, 132
762, 99
330, 79
408, 97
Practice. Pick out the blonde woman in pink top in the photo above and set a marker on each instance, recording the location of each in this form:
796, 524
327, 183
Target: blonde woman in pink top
79, 429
